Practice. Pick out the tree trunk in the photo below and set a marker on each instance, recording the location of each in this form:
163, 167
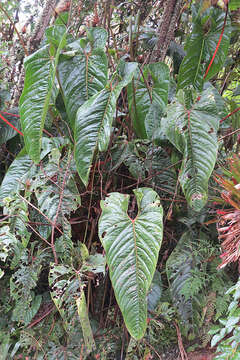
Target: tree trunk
166, 29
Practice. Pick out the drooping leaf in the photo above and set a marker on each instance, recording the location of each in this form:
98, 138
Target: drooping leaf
17, 172
7, 243
94, 121
200, 47
39, 84
132, 248
49, 195
64, 289
192, 129
81, 77
155, 291
84, 319
147, 92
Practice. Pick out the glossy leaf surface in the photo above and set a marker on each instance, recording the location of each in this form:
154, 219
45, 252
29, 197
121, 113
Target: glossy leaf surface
94, 121
194, 133
81, 77
132, 248
148, 92
40, 68
200, 47
6, 131
16, 175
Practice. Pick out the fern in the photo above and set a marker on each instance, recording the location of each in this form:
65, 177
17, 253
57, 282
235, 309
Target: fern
193, 284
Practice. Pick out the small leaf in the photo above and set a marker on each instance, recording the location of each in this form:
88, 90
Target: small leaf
132, 248
84, 320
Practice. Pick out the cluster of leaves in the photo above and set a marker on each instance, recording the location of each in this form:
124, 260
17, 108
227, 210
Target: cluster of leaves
109, 143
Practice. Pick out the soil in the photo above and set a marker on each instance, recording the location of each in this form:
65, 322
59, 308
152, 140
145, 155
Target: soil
174, 354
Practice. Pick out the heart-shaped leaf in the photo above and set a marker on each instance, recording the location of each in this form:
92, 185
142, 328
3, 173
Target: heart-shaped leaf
132, 247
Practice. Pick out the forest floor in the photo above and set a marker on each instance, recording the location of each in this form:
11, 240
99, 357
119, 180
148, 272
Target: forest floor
174, 354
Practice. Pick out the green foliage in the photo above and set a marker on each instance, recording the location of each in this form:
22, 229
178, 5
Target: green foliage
81, 252
228, 348
191, 125
192, 279
83, 75
200, 47
132, 247
39, 87
148, 94
94, 120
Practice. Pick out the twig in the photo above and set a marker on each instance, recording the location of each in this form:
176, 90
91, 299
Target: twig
232, 133
180, 343
233, 112
12, 23
40, 212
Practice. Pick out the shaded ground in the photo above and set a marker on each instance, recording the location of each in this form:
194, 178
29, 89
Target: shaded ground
174, 354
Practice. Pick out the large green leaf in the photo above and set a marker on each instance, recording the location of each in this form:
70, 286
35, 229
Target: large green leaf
94, 121
200, 47
193, 132
148, 92
40, 70
132, 247
81, 77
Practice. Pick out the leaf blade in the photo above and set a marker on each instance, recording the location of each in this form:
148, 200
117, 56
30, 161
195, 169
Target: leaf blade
132, 248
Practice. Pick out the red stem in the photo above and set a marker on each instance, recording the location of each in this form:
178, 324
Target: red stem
218, 44
233, 112
6, 121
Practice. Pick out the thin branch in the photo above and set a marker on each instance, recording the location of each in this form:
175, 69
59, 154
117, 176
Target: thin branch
18, 34
40, 212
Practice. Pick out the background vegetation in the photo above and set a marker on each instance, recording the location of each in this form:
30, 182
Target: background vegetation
120, 195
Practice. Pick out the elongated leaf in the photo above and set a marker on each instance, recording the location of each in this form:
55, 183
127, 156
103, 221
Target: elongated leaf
132, 248
85, 323
81, 77
200, 48
40, 70
15, 174
146, 90
194, 133
94, 121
